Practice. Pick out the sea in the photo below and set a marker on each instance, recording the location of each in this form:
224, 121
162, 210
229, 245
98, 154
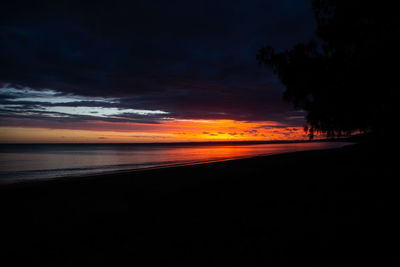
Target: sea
29, 162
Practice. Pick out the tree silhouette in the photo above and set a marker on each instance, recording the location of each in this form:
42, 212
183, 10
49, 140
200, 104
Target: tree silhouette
346, 77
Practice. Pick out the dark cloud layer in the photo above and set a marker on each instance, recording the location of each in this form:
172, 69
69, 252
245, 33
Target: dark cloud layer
192, 59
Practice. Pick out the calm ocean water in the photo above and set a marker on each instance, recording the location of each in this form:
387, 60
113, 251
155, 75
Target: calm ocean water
32, 162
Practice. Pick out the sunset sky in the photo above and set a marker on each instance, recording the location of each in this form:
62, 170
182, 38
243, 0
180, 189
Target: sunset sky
146, 71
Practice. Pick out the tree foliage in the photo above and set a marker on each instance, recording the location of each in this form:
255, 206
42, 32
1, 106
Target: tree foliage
346, 77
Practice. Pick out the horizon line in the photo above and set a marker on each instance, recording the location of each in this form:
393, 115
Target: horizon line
191, 142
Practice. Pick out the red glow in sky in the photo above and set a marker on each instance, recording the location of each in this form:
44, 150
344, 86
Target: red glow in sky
166, 131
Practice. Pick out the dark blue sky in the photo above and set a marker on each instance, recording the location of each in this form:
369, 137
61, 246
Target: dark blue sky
189, 59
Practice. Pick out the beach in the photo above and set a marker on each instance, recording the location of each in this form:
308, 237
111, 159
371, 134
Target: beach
331, 207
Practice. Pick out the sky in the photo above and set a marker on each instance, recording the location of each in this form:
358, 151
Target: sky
146, 71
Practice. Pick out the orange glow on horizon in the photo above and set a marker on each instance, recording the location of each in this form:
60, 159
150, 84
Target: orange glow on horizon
173, 130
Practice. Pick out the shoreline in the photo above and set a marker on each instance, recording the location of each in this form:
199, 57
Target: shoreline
137, 171
312, 207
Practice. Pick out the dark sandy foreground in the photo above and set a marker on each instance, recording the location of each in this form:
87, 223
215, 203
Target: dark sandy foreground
319, 208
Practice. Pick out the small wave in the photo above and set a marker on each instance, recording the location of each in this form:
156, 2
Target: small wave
19, 176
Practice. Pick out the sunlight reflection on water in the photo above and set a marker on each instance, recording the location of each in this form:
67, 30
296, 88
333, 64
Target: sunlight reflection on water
22, 162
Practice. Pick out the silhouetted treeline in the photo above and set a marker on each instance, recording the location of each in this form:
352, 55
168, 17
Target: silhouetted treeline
347, 76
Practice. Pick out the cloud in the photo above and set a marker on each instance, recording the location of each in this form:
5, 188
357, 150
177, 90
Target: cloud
47, 104
189, 59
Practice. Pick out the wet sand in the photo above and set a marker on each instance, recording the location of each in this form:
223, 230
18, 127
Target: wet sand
320, 208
